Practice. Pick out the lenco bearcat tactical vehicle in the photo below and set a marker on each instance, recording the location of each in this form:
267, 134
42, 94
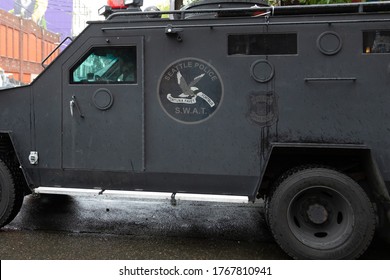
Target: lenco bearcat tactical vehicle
222, 101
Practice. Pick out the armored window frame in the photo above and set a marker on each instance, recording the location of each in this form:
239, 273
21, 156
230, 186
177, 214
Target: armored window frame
106, 65
263, 44
376, 41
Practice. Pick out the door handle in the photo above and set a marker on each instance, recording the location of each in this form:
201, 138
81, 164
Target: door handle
331, 79
73, 104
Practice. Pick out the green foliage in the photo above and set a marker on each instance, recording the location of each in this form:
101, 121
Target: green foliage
312, 2
164, 6
186, 2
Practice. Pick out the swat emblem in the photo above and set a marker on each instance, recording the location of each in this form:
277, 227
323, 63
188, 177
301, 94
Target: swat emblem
190, 90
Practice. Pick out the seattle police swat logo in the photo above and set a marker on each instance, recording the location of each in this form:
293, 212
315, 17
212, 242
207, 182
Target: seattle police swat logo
190, 90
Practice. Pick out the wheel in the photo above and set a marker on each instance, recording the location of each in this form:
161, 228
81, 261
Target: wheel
319, 213
11, 196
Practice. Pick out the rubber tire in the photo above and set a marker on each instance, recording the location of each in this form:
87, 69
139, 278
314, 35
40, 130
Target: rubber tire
11, 196
301, 180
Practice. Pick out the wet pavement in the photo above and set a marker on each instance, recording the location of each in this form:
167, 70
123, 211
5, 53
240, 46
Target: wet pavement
90, 227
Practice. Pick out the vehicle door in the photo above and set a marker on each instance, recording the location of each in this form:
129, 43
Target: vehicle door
103, 106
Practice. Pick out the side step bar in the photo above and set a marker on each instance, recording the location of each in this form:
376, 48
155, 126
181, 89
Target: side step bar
173, 197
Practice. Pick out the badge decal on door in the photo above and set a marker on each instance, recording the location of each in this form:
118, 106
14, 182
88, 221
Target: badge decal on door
190, 90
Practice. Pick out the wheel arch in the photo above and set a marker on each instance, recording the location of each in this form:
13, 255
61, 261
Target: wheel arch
356, 161
9, 155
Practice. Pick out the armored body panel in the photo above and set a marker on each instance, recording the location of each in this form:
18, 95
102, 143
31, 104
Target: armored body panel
250, 102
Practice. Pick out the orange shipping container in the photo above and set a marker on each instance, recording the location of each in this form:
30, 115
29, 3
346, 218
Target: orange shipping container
23, 46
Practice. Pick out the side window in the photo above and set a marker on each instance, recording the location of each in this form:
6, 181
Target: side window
263, 44
106, 65
376, 41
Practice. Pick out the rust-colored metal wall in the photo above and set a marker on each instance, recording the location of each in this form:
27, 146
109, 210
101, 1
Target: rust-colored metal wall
23, 45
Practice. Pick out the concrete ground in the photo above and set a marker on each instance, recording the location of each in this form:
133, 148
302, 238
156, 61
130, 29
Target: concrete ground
88, 227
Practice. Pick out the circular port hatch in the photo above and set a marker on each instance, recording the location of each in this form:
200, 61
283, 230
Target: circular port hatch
103, 99
329, 43
262, 71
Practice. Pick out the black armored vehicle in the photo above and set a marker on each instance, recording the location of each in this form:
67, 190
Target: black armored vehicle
223, 101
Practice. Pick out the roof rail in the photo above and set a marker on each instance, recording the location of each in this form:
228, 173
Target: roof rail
364, 7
